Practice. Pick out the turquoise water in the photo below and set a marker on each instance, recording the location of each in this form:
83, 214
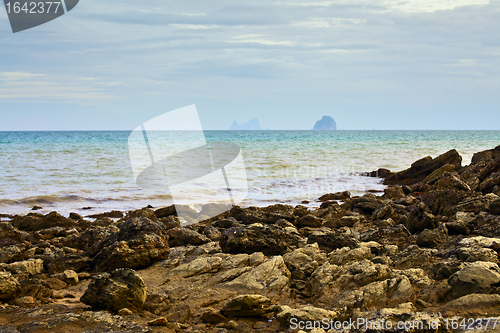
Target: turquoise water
67, 171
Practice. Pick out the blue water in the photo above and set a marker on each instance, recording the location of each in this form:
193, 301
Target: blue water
67, 171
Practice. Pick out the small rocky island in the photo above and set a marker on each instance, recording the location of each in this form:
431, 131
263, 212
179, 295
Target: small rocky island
252, 125
425, 252
326, 123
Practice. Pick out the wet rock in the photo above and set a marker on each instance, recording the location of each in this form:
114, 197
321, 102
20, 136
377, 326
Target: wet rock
247, 306
394, 193
75, 216
329, 240
423, 168
7, 231
309, 221
475, 278
9, 286
380, 173
185, 236
268, 239
122, 288
139, 243
166, 211
286, 315
335, 196
271, 275
145, 213
303, 262
35, 221
112, 214
473, 305
368, 203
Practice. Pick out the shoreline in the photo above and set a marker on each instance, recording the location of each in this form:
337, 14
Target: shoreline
426, 250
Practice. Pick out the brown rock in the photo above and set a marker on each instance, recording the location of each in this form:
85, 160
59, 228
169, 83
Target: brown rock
247, 306
122, 288
423, 168
335, 196
162, 321
213, 317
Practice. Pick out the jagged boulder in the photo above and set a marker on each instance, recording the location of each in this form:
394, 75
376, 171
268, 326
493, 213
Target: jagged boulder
122, 288
270, 276
9, 286
139, 243
303, 262
268, 239
35, 221
475, 278
185, 236
422, 168
329, 240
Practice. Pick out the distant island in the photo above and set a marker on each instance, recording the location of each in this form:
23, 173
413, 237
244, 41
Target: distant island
326, 123
252, 125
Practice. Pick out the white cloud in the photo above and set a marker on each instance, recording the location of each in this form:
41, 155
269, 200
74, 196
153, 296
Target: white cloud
407, 6
15, 76
29, 86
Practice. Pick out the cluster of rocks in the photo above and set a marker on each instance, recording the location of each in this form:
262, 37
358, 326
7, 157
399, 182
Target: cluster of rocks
426, 250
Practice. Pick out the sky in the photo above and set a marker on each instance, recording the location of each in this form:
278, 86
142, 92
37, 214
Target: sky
370, 64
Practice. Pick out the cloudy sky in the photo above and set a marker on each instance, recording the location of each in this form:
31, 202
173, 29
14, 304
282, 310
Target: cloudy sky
370, 64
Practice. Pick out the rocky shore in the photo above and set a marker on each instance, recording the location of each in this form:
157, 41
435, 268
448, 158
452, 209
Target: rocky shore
426, 251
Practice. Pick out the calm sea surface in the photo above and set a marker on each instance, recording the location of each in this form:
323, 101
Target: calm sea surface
67, 171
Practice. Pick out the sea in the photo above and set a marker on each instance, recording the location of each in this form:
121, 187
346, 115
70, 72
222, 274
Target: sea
90, 172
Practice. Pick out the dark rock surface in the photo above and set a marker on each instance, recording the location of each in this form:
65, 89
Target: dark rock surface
122, 288
422, 168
